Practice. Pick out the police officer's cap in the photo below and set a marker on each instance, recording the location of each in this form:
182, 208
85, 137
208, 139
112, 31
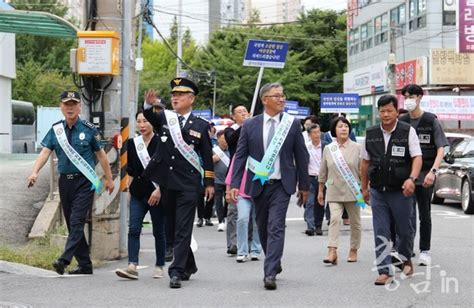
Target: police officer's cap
184, 85
70, 96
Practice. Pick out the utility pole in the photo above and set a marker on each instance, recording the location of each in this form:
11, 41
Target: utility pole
180, 39
109, 214
392, 60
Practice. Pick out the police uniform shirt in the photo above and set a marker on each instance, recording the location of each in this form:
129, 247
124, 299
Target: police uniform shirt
413, 142
82, 136
140, 188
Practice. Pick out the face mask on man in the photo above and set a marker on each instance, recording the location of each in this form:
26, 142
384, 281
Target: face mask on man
410, 104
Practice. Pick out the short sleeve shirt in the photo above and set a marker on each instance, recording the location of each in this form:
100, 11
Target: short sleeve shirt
83, 137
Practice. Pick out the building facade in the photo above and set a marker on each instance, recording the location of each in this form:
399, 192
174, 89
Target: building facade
424, 50
275, 11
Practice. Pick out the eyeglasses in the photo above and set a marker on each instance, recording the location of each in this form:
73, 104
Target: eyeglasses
277, 96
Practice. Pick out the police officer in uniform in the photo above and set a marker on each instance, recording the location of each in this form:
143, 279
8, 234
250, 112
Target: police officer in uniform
74, 188
432, 143
180, 181
391, 160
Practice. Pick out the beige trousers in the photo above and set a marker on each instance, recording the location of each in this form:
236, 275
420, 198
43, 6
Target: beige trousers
336, 209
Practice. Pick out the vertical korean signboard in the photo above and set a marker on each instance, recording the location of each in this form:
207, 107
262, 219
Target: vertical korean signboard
465, 21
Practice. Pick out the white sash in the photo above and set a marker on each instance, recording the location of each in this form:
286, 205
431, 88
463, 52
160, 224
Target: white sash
224, 158
142, 151
76, 158
263, 169
346, 173
188, 153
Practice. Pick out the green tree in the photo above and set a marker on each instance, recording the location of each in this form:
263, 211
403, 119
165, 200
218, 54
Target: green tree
52, 53
39, 86
315, 62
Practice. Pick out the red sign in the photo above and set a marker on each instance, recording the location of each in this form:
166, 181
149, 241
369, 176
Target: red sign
466, 26
405, 73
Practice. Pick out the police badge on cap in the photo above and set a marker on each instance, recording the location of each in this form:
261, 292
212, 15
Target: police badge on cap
70, 96
184, 85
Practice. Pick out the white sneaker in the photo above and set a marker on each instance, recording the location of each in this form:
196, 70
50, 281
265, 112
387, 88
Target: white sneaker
158, 272
241, 259
424, 258
221, 227
254, 257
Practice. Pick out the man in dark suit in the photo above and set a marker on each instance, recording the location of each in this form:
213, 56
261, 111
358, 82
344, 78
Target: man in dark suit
177, 169
273, 143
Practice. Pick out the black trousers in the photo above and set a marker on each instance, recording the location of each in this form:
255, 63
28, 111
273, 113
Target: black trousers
219, 202
204, 208
76, 201
423, 199
180, 207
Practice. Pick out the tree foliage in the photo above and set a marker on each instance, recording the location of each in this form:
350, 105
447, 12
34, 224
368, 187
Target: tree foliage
52, 53
315, 63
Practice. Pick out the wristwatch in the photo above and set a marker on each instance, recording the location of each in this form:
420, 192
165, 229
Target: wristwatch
433, 170
413, 178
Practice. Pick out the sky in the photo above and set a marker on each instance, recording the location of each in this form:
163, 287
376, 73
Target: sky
195, 14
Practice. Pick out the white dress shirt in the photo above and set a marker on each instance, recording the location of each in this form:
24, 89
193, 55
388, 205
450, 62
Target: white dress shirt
276, 174
314, 158
413, 142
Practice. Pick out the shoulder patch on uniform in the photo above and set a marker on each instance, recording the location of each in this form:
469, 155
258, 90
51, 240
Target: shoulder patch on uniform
202, 119
88, 124
57, 122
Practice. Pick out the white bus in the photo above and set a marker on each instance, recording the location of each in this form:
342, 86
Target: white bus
23, 127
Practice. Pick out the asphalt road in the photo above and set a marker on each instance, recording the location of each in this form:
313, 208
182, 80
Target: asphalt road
305, 281
19, 205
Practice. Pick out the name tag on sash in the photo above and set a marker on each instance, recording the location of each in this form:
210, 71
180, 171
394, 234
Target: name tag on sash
398, 151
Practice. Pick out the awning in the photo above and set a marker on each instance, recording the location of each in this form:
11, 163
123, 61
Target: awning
36, 23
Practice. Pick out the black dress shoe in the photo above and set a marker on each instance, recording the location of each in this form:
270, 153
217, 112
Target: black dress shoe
169, 254
186, 275
232, 250
279, 269
270, 283
81, 270
59, 266
318, 231
175, 282
209, 223
309, 232
199, 223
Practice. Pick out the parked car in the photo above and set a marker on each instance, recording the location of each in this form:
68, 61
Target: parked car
455, 177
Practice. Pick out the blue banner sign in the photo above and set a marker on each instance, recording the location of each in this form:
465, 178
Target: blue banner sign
291, 104
203, 113
300, 112
266, 53
340, 102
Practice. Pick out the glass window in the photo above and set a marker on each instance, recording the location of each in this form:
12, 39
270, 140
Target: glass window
413, 8
363, 32
401, 14
421, 6
394, 17
378, 24
385, 22
469, 149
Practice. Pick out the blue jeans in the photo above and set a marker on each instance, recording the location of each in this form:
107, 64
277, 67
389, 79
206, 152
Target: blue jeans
138, 210
309, 206
245, 211
387, 207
